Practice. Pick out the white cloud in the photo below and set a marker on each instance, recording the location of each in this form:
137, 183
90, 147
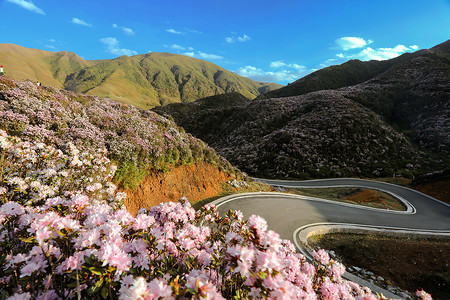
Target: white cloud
208, 56
173, 31
28, 5
193, 31
112, 46
382, 53
50, 43
128, 31
203, 55
232, 39
80, 22
282, 76
243, 38
350, 42
177, 47
281, 64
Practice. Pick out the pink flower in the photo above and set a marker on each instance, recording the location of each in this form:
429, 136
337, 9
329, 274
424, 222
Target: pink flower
3, 190
268, 261
321, 256
80, 200
258, 223
10, 209
271, 239
33, 266
158, 289
423, 295
143, 222
336, 270
94, 187
136, 290
329, 290
113, 255
123, 216
20, 296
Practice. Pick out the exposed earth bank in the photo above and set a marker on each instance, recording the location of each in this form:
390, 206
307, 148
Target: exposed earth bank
196, 182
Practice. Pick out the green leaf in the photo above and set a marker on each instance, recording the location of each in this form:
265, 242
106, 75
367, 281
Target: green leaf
90, 259
27, 240
104, 292
97, 271
96, 287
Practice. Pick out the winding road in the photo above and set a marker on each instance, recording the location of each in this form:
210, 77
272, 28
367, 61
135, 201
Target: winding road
294, 217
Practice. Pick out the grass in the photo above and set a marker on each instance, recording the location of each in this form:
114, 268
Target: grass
409, 263
358, 196
144, 81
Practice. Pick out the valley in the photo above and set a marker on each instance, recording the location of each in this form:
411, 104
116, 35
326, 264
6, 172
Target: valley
385, 119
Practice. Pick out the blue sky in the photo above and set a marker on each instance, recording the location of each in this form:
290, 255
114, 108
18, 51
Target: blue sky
275, 41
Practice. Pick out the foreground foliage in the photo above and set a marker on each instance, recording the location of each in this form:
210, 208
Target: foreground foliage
64, 234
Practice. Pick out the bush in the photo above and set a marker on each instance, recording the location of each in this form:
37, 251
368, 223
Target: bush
64, 234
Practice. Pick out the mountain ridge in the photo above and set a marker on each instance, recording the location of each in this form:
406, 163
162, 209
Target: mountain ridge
144, 80
349, 73
345, 131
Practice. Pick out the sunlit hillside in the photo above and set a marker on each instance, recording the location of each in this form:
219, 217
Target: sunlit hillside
144, 81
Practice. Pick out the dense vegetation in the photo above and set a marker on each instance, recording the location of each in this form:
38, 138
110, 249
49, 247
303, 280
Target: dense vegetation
145, 81
397, 122
137, 141
64, 235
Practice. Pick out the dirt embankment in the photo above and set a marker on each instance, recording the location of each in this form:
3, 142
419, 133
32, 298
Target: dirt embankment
439, 189
196, 182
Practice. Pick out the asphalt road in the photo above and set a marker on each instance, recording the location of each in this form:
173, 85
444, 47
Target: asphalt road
286, 213
290, 215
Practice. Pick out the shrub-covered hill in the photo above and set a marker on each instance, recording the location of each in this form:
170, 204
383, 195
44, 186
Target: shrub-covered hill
145, 81
411, 92
206, 117
321, 134
349, 73
137, 141
378, 127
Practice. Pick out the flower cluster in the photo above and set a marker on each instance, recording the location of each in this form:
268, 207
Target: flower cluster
135, 140
32, 172
73, 243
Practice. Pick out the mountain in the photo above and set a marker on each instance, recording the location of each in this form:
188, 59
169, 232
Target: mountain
206, 116
49, 68
144, 81
379, 119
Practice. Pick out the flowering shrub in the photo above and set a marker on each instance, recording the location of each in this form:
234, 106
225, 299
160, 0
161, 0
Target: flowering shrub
321, 134
64, 240
136, 140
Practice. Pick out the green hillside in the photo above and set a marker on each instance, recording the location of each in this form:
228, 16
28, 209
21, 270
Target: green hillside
47, 67
145, 81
